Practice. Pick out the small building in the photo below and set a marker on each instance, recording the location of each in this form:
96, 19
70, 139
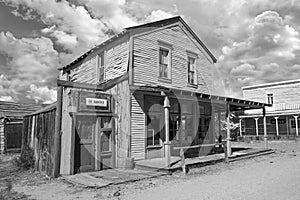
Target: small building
11, 123
140, 95
281, 118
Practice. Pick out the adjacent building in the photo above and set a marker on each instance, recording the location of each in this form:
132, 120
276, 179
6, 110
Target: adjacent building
282, 117
11, 123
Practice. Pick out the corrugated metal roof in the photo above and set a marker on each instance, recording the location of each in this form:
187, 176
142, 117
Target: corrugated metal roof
17, 110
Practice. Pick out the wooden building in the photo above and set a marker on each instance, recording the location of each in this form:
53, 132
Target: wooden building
11, 122
138, 96
282, 117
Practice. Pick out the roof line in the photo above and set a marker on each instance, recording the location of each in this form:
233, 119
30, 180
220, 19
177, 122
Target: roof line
128, 29
270, 84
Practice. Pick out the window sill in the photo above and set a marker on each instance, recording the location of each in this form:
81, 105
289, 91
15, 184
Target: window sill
192, 85
165, 80
154, 147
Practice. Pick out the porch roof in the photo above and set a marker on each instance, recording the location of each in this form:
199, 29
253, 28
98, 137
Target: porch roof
220, 102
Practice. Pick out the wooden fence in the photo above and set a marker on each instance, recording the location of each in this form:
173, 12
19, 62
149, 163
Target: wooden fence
38, 139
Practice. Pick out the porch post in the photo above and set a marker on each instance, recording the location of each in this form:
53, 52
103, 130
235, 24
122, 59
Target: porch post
167, 140
241, 127
256, 125
277, 129
296, 123
265, 128
228, 130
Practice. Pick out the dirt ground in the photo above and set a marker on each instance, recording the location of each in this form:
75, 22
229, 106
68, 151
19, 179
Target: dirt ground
274, 176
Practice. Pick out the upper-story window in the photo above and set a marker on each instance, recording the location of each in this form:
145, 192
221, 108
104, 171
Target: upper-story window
270, 98
191, 70
100, 67
164, 63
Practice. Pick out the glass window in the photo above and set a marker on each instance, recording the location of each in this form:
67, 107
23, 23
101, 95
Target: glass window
164, 63
105, 141
153, 129
191, 70
270, 98
100, 67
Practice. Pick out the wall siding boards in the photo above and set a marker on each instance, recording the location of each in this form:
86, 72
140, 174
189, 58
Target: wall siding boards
2, 136
115, 63
137, 127
146, 60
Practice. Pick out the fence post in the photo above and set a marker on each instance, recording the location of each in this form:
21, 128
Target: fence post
182, 160
225, 151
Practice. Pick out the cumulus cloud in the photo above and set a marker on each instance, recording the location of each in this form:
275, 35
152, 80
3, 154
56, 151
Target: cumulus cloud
30, 61
42, 94
268, 54
6, 98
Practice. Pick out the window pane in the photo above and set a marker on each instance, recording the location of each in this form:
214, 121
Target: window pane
164, 57
105, 141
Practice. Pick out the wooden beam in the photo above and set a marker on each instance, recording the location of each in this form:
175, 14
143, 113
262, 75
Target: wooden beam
57, 134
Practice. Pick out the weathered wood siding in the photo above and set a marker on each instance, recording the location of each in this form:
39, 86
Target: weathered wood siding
2, 136
146, 54
137, 127
38, 136
115, 63
121, 109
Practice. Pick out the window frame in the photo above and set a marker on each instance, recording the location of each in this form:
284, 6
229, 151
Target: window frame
100, 66
270, 96
194, 56
167, 47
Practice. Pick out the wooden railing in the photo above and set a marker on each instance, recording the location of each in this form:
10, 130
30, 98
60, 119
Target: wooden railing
182, 157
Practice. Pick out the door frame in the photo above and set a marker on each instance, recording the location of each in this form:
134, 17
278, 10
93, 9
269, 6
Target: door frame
96, 148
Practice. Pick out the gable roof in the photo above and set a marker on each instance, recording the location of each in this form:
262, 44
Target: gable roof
16, 110
132, 30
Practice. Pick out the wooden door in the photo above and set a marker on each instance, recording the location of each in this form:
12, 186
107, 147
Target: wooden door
105, 156
13, 135
85, 144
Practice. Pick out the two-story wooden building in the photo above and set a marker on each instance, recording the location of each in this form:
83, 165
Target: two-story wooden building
282, 118
136, 97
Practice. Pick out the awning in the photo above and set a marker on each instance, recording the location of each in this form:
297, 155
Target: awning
220, 102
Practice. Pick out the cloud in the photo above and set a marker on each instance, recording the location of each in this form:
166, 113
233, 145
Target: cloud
42, 94
6, 98
270, 52
30, 61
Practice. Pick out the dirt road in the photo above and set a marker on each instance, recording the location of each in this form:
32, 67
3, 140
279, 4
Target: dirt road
275, 176
272, 177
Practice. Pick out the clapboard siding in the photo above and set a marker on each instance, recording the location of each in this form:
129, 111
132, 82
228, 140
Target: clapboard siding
146, 59
2, 136
115, 62
137, 127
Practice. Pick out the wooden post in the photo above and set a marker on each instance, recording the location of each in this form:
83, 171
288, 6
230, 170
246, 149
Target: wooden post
220, 134
296, 123
182, 160
167, 130
57, 134
265, 128
228, 130
225, 151
277, 129
241, 134
256, 125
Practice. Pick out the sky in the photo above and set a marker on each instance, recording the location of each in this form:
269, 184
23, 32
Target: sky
255, 41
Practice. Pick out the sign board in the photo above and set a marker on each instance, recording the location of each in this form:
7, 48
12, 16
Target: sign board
96, 102
92, 101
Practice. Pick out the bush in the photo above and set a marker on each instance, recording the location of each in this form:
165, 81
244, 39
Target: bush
26, 160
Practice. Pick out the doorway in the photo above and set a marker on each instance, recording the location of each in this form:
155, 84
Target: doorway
94, 143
